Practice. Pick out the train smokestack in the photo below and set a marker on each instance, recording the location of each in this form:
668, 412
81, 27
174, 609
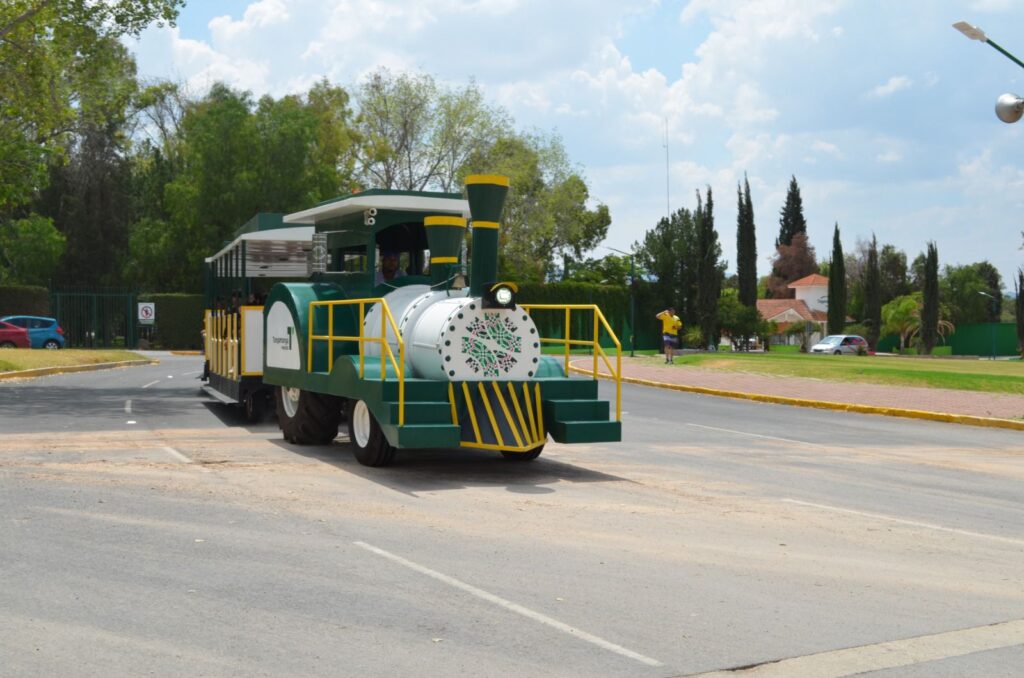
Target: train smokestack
486, 195
444, 238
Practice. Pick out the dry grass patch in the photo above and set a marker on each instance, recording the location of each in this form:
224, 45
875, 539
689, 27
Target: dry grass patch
18, 359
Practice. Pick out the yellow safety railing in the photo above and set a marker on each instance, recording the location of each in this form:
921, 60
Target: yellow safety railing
597, 350
222, 342
386, 320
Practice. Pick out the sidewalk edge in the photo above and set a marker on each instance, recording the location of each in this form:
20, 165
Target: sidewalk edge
46, 371
970, 419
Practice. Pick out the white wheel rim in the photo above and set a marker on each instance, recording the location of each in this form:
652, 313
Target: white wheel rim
290, 400
361, 424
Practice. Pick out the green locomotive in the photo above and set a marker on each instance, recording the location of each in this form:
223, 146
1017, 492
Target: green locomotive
410, 356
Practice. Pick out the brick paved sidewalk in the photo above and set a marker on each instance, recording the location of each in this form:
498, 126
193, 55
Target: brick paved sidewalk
945, 401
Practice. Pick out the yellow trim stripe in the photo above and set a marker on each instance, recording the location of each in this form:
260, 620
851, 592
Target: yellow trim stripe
472, 414
445, 221
486, 224
451, 400
529, 411
508, 415
444, 260
519, 411
498, 179
542, 433
490, 413
501, 448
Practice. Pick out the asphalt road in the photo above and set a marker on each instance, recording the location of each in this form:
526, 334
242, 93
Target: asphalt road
146, 530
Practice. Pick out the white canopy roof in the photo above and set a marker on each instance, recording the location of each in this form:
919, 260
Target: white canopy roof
361, 202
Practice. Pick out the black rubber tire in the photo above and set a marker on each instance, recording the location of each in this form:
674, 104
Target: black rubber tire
316, 421
51, 344
524, 456
378, 451
837, 353
8, 344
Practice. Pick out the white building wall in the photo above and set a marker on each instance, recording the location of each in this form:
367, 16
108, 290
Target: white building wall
815, 296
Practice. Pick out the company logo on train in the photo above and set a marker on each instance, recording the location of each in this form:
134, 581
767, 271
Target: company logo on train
364, 311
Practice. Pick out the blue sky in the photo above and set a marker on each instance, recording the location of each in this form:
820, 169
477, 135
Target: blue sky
881, 110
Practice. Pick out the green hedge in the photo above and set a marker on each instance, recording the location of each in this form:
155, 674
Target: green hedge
179, 321
613, 302
24, 300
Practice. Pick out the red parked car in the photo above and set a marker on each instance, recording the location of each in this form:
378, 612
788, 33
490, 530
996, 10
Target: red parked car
12, 336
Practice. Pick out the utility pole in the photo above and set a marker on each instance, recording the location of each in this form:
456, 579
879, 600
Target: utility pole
668, 210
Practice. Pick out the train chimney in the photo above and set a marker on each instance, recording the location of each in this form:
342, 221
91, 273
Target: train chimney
486, 194
444, 238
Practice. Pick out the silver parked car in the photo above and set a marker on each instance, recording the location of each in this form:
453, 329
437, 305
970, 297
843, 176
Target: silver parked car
841, 343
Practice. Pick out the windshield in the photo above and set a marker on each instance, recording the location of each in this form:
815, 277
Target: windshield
834, 339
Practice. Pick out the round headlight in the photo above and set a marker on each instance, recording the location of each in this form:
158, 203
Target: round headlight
503, 296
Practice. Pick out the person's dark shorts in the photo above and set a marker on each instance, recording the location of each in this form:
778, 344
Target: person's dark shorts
671, 339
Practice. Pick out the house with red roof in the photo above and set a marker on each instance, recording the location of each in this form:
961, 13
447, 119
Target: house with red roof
810, 307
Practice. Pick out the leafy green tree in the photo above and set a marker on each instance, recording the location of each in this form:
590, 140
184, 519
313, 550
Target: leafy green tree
30, 250
994, 281
892, 269
609, 270
961, 287
902, 317
710, 269
930, 301
837, 287
791, 220
746, 246
419, 135
872, 295
54, 59
668, 252
736, 319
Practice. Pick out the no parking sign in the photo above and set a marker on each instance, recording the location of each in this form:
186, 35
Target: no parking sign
147, 313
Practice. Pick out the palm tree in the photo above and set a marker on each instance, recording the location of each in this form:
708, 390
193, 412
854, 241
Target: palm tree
902, 316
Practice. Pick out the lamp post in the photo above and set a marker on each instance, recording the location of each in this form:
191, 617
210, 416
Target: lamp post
992, 325
1009, 107
632, 298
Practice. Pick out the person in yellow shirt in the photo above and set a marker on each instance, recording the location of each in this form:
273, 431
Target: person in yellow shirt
670, 328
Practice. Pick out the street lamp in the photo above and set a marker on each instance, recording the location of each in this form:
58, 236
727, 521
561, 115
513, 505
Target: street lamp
992, 325
1009, 107
632, 298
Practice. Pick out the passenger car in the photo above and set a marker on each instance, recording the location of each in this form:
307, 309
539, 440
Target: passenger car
12, 336
42, 332
841, 343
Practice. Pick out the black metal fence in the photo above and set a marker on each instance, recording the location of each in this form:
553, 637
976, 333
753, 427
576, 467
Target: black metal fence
97, 319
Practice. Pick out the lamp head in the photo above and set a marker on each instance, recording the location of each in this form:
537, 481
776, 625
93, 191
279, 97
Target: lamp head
1009, 108
972, 32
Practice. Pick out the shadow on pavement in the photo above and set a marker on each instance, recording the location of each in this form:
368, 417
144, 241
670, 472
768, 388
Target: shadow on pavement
416, 471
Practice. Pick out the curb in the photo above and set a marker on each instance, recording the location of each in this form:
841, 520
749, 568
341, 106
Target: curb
970, 419
185, 352
46, 371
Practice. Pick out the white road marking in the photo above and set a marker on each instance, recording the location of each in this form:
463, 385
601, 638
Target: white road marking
186, 374
130, 421
170, 376
177, 455
755, 435
512, 607
151, 383
914, 523
887, 655
128, 407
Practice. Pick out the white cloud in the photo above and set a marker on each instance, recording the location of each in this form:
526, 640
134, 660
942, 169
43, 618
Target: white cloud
827, 148
889, 157
893, 85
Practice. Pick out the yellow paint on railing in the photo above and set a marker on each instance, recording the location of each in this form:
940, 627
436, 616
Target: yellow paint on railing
472, 414
598, 351
508, 414
386, 352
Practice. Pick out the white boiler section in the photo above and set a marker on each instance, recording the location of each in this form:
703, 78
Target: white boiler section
450, 336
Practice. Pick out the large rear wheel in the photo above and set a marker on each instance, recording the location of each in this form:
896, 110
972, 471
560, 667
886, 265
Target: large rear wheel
371, 447
307, 418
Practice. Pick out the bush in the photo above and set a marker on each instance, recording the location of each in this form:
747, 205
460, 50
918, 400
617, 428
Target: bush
179, 320
24, 300
613, 302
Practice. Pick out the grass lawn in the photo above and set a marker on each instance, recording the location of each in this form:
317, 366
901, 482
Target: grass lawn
17, 359
999, 376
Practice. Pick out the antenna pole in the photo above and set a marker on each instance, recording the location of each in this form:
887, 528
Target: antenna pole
668, 210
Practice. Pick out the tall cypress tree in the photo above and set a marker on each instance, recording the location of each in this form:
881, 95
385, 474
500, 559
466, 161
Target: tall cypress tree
791, 221
746, 246
837, 287
930, 304
873, 295
710, 271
